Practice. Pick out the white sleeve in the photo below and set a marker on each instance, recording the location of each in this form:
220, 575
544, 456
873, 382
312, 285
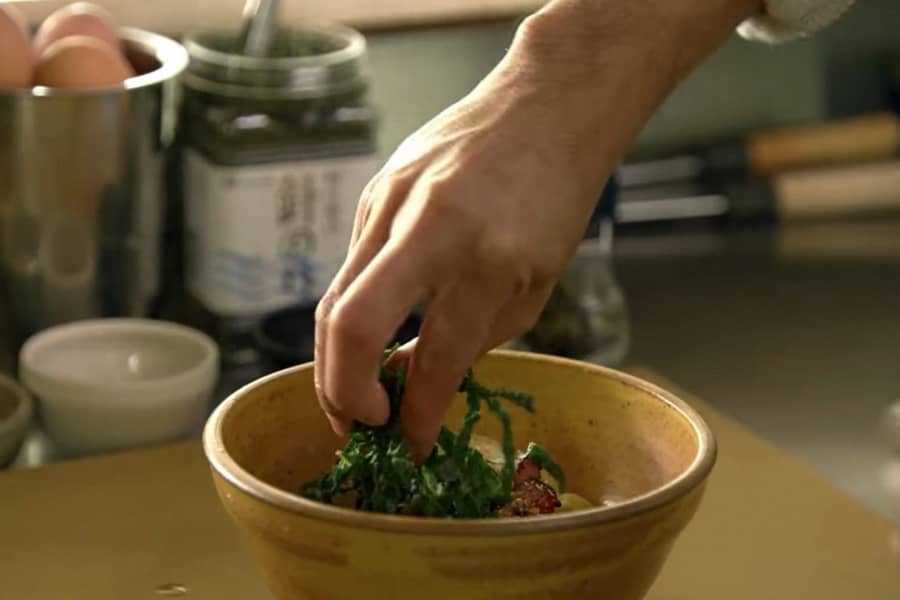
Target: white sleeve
788, 19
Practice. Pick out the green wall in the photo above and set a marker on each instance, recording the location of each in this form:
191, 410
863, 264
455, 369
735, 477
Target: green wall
743, 86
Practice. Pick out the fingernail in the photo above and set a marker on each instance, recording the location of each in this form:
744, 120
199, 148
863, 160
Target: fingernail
400, 358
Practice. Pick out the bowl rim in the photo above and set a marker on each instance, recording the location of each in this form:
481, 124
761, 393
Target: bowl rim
187, 381
692, 477
22, 413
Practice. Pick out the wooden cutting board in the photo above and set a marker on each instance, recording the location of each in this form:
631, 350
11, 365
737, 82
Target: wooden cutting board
118, 527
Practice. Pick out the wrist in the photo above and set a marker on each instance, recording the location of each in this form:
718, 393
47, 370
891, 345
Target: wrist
586, 35
600, 68
683, 27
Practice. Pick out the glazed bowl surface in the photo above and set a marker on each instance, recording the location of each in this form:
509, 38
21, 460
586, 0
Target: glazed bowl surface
640, 454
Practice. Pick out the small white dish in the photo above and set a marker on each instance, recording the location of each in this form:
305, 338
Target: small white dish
15, 418
110, 384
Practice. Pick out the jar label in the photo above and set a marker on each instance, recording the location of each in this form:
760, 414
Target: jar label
263, 237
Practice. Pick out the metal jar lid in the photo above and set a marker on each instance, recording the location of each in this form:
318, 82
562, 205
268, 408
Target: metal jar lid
305, 62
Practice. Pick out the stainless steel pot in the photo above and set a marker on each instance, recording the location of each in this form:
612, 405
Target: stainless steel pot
82, 193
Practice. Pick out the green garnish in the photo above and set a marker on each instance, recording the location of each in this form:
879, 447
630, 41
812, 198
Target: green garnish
375, 470
539, 455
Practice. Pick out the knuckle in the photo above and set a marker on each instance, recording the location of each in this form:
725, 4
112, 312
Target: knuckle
325, 307
440, 187
369, 191
501, 251
351, 326
380, 185
444, 206
384, 185
504, 259
366, 200
363, 210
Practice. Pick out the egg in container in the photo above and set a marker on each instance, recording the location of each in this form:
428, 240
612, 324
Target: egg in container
16, 55
81, 170
77, 19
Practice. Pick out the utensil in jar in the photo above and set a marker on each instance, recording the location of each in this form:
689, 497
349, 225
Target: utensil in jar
260, 25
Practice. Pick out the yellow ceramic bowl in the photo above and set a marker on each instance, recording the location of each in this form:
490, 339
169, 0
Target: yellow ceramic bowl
617, 437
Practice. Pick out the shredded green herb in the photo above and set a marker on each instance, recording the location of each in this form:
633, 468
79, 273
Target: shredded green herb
546, 462
375, 470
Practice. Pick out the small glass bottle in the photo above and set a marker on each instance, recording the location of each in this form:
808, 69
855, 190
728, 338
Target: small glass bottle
276, 152
586, 316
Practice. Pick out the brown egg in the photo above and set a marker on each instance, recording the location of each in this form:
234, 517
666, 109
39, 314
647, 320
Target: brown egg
79, 18
81, 62
16, 58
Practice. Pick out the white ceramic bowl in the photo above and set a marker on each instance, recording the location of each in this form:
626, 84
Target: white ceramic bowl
110, 384
15, 418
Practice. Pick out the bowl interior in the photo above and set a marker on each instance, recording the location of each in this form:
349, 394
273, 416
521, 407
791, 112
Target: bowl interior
616, 438
119, 353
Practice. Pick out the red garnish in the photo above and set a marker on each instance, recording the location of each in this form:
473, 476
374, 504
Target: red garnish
526, 470
531, 495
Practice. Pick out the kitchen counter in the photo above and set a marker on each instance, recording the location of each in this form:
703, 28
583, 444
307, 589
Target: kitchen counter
794, 332
147, 524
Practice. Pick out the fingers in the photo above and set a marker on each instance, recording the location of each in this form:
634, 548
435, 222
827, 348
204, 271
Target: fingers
455, 332
356, 328
364, 207
370, 232
360, 257
404, 251
377, 206
460, 327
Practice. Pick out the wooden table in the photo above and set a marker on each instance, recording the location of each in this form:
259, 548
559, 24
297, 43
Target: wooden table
118, 527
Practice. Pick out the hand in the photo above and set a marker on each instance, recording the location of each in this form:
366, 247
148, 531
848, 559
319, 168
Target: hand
474, 215
477, 214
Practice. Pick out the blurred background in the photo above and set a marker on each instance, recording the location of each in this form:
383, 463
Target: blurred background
748, 249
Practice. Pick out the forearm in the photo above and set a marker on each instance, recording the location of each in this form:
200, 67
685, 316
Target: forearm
602, 67
685, 31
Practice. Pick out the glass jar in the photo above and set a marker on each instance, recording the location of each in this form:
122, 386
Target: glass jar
586, 316
277, 150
